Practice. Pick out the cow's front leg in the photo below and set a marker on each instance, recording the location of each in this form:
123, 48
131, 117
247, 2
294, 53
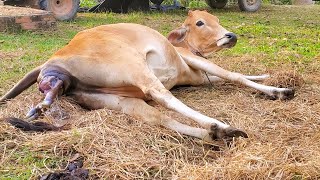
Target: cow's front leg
208, 78
197, 62
50, 86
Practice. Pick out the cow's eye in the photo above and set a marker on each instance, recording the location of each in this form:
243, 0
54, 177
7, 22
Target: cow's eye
199, 23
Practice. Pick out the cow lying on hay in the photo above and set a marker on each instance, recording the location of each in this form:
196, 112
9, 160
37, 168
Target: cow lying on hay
120, 66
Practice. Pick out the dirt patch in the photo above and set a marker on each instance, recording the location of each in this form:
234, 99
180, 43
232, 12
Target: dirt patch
11, 55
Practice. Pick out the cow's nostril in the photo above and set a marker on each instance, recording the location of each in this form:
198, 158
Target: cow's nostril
231, 36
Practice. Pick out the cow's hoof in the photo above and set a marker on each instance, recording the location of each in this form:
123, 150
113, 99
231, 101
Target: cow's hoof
285, 94
226, 133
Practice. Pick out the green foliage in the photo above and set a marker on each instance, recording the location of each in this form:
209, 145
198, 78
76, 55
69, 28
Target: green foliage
88, 3
189, 3
281, 2
197, 4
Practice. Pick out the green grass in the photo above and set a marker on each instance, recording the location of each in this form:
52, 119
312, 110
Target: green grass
88, 3
274, 35
24, 161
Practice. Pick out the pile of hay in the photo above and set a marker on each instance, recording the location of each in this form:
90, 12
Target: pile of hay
283, 138
285, 79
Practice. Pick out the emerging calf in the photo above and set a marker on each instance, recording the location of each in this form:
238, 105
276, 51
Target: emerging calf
119, 66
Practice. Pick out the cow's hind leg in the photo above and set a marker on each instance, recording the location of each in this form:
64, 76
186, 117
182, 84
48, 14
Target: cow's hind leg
154, 89
140, 109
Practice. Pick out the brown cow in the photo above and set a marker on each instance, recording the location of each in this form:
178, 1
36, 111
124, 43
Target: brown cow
119, 66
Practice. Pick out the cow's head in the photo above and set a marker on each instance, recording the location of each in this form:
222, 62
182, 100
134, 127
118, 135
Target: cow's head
202, 34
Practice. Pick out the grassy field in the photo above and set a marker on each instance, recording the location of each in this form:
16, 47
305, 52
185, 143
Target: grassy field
283, 138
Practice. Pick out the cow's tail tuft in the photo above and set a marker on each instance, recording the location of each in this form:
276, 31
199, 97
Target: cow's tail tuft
31, 126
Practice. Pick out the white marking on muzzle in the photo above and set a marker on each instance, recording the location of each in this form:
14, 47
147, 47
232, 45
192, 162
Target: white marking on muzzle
223, 41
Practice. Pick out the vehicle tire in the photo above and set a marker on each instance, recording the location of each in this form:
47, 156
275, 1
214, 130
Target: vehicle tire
217, 4
249, 5
63, 10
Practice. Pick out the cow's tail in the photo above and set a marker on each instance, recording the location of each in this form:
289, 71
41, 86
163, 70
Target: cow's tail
28, 80
31, 126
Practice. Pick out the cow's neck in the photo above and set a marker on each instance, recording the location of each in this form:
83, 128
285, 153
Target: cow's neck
186, 45
194, 50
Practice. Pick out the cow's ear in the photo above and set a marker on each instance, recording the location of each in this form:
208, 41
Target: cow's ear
178, 35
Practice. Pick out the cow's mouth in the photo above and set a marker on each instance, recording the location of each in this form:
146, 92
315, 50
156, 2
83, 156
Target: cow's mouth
229, 40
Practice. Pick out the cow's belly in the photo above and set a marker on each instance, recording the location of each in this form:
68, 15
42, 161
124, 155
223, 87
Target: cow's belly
165, 68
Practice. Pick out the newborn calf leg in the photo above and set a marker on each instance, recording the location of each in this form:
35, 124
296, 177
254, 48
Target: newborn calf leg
50, 86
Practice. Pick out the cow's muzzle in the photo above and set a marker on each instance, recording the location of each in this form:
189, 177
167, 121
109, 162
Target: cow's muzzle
228, 41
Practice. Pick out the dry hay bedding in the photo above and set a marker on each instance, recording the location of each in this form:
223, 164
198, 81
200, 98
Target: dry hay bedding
283, 137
